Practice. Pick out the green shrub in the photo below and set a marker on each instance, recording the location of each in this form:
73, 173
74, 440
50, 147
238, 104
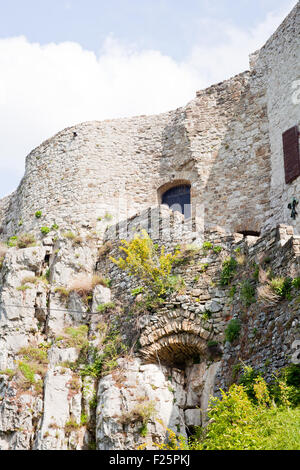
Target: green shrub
12, 241
228, 271
217, 249
27, 371
148, 264
105, 361
233, 330
207, 246
45, 230
102, 308
237, 423
248, 379
282, 287
232, 292
38, 214
256, 272
247, 293
290, 377
296, 283
137, 291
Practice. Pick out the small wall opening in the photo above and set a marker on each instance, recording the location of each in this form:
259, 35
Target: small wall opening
178, 198
249, 233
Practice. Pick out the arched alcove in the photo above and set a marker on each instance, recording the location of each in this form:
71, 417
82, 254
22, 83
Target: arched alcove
177, 197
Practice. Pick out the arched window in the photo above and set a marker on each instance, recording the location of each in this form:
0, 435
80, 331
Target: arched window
179, 199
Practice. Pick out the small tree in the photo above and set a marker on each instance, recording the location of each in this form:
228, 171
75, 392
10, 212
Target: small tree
151, 265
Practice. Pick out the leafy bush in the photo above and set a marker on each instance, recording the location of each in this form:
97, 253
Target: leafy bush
38, 214
247, 293
137, 291
240, 420
45, 230
228, 271
105, 361
282, 287
147, 263
290, 376
240, 424
233, 330
102, 308
207, 246
12, 241
296, 283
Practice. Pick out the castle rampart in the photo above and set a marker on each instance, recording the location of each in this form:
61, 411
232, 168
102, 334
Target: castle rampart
226, 143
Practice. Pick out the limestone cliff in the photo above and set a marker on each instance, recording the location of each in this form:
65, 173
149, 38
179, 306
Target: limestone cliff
86, 365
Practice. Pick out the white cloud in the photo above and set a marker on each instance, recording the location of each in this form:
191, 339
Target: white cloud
229, 56
46, 88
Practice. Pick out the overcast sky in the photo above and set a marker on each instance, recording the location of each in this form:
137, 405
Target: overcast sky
68, 61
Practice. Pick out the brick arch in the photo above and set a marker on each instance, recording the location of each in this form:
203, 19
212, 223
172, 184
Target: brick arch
174, 342
175, 350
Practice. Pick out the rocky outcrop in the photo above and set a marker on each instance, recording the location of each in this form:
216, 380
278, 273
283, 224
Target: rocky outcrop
85, 365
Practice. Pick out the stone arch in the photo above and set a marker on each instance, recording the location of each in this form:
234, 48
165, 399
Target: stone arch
174, 341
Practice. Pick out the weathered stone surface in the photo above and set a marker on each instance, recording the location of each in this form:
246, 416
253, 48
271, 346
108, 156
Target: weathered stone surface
227, 144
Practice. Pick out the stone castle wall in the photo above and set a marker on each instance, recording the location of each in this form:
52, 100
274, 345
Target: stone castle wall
117, 168
227, 143
279, 63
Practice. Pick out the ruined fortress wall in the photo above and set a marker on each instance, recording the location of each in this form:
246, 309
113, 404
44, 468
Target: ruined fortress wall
77, 179
120, 167
4, 205
236, 189
279, 62
227, 143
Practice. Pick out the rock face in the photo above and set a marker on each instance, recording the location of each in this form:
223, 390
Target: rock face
87, 366
170, 397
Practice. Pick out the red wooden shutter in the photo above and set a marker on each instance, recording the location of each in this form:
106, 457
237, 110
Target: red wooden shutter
291, 154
